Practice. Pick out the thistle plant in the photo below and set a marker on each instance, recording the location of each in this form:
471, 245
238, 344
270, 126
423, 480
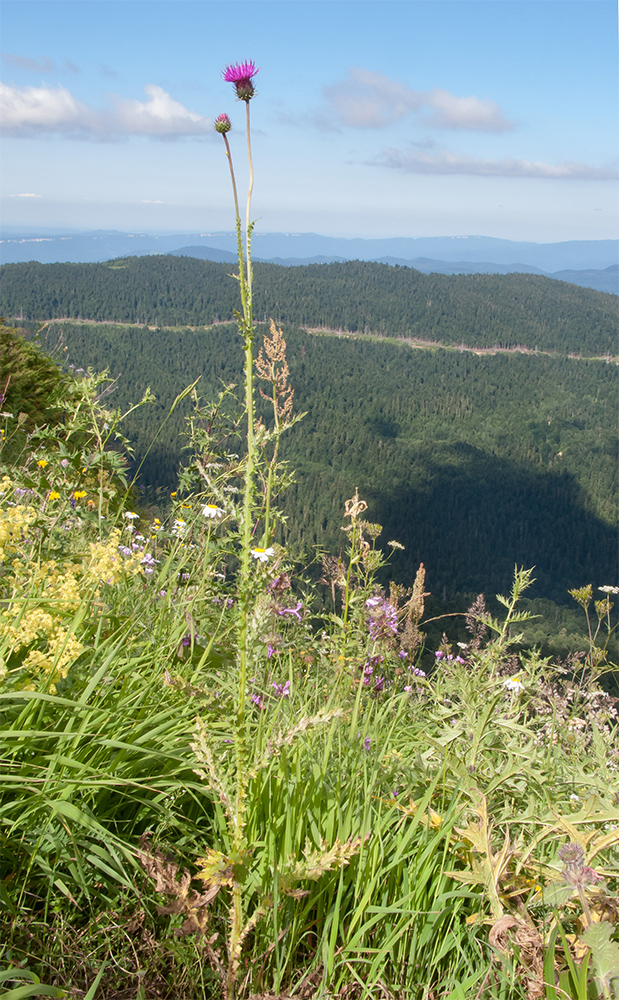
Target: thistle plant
260, 576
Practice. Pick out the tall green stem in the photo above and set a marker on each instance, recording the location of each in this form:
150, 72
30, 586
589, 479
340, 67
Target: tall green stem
250, 188
246, 329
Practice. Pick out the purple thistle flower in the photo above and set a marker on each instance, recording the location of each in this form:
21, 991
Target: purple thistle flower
240, 74
222, 124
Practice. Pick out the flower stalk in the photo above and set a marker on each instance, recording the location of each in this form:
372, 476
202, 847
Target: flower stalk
241, 76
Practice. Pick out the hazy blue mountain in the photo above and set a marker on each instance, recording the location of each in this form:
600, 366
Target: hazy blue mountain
590, 263
603, 281
206, 253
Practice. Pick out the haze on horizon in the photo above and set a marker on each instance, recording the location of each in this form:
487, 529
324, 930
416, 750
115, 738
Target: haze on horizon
372, 119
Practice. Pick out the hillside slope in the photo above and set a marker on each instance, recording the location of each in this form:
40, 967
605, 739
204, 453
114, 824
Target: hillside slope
477, 310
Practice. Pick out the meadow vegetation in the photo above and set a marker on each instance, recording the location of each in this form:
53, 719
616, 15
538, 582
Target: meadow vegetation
220, 778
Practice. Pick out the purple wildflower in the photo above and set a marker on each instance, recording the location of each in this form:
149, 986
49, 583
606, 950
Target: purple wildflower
64, 462
282, 690
439, 654
222, 124
459, 659
240, 74
383, 618
402, 654
292, 611
257, 700
379, 684
417, 672
270, 650
279, 583
124, 550
367, 743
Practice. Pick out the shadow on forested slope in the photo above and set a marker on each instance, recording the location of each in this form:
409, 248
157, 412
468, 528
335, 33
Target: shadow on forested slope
473, 463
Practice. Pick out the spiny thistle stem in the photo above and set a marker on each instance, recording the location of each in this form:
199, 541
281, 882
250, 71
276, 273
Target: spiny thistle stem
250, 188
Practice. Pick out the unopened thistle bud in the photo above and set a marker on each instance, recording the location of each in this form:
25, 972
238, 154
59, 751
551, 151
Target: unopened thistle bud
222, 124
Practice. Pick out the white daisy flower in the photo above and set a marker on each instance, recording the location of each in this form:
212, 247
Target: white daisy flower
263, 555
513, 684
211, 510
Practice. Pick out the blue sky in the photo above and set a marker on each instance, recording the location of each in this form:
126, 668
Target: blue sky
372, 117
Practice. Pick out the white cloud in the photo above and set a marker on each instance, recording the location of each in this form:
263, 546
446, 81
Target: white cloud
417, 161
372, 100
30, 111
450, 111
23, 62
27, 110
159, 115
26, 195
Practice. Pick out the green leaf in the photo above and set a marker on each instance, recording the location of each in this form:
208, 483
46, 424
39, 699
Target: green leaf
605, 953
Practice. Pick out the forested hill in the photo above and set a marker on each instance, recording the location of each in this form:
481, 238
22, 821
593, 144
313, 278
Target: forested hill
477, 310
474, 463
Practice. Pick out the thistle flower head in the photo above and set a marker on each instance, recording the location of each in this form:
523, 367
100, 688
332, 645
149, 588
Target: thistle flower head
222, 124
240, 74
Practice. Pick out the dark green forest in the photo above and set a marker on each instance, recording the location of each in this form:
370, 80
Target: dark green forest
474, 463
477, 310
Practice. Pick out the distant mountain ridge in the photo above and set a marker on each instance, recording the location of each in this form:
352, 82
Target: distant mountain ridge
99, 245
606, 280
